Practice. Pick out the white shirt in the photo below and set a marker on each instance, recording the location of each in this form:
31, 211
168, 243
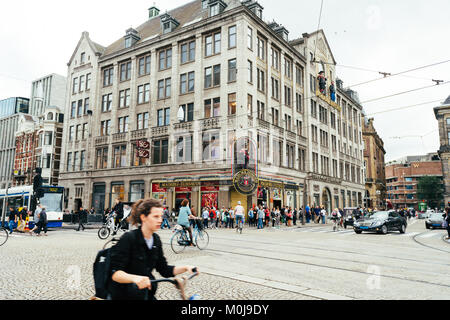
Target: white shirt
239, 210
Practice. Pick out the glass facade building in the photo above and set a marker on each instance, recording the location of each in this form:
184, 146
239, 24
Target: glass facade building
14, 105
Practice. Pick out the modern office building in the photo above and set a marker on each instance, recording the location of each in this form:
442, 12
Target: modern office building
10, 111
172, 109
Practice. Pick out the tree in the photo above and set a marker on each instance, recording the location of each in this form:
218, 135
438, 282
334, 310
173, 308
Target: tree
430, 189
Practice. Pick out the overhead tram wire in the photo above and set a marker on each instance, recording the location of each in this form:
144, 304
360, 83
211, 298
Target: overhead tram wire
318, 26
404, 107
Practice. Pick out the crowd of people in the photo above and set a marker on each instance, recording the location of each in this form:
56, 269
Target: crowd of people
19, 220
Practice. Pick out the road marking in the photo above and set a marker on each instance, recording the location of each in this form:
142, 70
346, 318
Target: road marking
411, 234
430, 235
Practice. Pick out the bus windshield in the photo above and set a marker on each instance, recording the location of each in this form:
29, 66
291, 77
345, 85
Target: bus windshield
52, 202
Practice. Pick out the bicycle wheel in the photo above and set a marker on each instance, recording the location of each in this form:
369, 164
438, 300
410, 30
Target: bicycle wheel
178, 242
103, 233
3, 236
202, 240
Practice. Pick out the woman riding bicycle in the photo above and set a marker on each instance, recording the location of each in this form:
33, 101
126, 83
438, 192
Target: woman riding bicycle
184, 216
138, 252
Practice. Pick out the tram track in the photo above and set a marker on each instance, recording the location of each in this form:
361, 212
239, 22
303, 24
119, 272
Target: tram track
425, 245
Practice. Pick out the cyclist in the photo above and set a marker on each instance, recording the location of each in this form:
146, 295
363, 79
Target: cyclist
336, 218
137, 253
118, 210
239, 211
183, 219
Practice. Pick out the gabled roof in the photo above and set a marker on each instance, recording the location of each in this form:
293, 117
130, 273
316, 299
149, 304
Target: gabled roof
447, 101
296, 42
187, 14
96, 48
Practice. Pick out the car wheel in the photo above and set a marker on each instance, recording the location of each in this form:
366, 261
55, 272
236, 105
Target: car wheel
402, 229
427, 226
384, 229
358, 231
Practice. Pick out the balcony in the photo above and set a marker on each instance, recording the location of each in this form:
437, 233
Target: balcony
263, 124
120, 137
160, 131
183, 126
328, 100
291, 135
210, 123
101, 140
139, 134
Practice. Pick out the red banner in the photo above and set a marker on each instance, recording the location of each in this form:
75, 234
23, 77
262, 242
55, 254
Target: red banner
142, 144
210, 189
183, 189
143, 154
156, 188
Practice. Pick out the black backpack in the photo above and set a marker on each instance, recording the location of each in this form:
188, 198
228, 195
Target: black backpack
102, 273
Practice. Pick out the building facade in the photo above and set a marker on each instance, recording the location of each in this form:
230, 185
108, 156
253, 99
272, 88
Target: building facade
402, 178
10, 111
442, 114
46, 111
374, 166
173, 105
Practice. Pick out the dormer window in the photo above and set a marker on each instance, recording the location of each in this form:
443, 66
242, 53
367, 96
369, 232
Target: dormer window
216, 7
255, 7
168, 23
83, 58
131, 37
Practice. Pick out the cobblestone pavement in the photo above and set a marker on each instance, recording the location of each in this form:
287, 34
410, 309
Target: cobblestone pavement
306, 263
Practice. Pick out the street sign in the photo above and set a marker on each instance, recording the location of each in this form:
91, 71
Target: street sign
142, 144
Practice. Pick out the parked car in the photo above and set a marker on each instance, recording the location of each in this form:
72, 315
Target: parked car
435, 221
350, 216
381, 222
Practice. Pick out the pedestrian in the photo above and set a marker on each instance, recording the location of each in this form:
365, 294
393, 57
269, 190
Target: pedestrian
260, 215
323, 214
23, 218
138, 252
250, 217
82, 215
232, 217
223, 218
13, 217
42, 224
307, 213
446, 222
166, 218
317, 214
267, 216
205, 216
294, 216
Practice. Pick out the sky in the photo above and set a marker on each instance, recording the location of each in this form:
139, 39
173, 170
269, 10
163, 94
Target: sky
366, 37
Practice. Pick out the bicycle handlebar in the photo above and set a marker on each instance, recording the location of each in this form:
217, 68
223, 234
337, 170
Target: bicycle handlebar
173, 281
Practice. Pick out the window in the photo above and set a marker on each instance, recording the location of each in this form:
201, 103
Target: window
164, 88
301, 159
120, 156
123, 125
124, 98
277, 152
275, 57
212, 108
105, 127
76, 160
275, 88
250, 38
288, 122
48, 138
71, 133
261, 111
165, 59
323, 115
188, 110
85, 133
299, 75
125, 71
136, 160
211, 146
299, 128
73, 109
144, 65
143, 93
83, 58
187, 52
82, 159
232, 70
249, 71
261, 80
86, 106
298, 102
69, 162
314, 133
142, 121
275, 117
214, 10
333, 120
261, 49
187, 81
101, 158
75, 85
106, 102
184, 149
312, 83
288, 68
82, 84
314, 109
108, 76
250, 105
212, 76
263, 148
290, 156
287, 96
232, 37
212, 44
232, 103
163, 117
315, 162
160, 151
80, 108
77, 132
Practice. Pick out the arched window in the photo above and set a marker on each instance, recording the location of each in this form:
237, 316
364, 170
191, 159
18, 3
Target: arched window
50, 116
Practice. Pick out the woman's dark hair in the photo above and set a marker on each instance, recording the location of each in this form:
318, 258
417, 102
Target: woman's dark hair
143, 206
184, 203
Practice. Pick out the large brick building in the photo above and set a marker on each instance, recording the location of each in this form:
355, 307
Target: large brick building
403, 175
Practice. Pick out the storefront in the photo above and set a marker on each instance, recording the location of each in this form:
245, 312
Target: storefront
209, 196
137, 191
98, 197
117, 192
182, 193
159, 193
275, 192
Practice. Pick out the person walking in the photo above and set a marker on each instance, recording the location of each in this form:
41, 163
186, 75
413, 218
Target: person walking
446, 222
260, 216
138, 252
232, 217
205, 216
323, 214
307, 213
250, 217
294, 216
13, 217
82, 216
42, 224
166, 218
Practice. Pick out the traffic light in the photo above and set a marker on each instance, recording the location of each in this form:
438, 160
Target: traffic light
37, 184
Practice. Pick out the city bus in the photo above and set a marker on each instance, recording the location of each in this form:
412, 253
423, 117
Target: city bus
22, 196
